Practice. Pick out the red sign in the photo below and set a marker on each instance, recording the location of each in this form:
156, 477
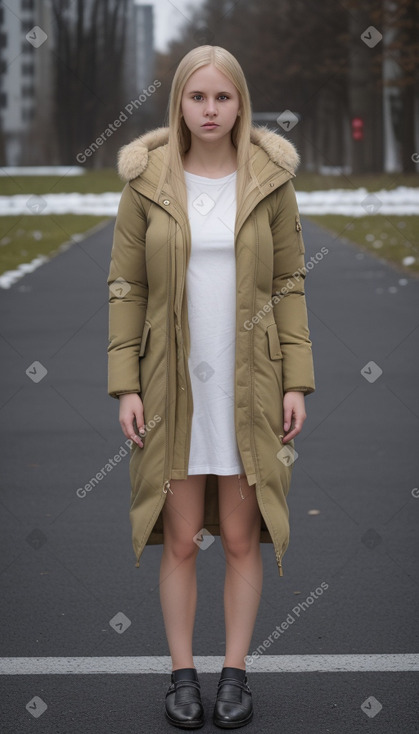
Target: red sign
357, 128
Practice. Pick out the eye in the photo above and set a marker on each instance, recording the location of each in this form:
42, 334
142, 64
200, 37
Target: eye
224, 96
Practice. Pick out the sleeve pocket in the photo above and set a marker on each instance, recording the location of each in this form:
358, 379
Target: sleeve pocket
299, 231
274, 345
144, 338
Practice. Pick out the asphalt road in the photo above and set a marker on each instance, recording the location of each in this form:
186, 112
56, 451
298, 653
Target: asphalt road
67, 564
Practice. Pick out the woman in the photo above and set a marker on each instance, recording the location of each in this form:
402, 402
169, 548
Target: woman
209, 356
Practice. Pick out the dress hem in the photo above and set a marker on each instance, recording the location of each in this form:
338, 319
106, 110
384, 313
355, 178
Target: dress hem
212, 470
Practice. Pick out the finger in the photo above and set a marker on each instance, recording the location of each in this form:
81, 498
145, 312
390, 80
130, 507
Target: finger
136, 438
128, 430
136, 425
142, 435
295, 431
139, 419
289, 436
287, 418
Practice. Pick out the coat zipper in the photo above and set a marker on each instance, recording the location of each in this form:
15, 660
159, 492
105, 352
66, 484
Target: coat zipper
277, 553
166, 482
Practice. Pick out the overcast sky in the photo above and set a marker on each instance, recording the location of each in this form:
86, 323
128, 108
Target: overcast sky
168, 17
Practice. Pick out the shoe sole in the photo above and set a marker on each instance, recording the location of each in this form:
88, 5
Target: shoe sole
185, 725
232, 724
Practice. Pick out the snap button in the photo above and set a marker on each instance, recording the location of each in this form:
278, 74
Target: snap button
166, 202
271, 184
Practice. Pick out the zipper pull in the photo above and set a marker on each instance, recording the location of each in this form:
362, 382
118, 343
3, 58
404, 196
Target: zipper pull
168, 487
279, 562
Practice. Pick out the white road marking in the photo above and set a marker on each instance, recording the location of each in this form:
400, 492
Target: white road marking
211, 664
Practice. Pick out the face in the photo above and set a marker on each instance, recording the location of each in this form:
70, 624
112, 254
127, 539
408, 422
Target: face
209, 96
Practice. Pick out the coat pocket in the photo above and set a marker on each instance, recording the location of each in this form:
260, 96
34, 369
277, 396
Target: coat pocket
144, 338
275, 351
299, 231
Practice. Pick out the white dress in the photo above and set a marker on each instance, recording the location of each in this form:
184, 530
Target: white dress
211, 298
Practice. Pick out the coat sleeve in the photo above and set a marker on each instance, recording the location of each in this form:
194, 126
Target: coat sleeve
288, 294
128, 295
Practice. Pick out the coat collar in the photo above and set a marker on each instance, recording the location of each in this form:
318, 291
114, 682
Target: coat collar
134, 159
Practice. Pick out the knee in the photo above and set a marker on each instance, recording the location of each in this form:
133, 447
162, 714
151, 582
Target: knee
237, 544
181, 548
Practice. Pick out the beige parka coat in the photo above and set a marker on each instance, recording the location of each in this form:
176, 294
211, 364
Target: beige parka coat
149, 334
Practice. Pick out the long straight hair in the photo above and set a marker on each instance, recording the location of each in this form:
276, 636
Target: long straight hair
179, 134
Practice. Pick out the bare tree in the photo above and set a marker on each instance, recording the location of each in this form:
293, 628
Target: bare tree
89, 88
309, 57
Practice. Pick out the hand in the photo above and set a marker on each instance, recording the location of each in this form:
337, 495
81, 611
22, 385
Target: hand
130, 408
294, 414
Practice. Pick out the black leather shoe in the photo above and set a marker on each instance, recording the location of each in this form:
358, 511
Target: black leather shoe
183, 699
233, 706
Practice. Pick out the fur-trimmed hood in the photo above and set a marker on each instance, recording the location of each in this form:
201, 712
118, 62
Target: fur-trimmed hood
133, 158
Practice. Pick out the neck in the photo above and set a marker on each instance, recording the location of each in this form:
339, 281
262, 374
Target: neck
218, 157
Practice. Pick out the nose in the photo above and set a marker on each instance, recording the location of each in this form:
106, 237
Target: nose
210, 107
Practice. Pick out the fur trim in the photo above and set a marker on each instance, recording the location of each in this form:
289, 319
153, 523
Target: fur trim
133, 158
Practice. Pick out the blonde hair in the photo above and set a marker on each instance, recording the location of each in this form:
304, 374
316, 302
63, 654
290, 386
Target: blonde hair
179, 134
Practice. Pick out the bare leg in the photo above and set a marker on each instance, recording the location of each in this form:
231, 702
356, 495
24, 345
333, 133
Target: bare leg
183, 516
240, 534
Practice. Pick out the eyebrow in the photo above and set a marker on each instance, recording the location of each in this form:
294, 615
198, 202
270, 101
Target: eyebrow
197, 91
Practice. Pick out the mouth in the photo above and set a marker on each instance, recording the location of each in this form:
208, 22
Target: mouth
210, 124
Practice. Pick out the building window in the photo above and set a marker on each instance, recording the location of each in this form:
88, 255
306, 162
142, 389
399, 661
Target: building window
27, 48
26, 26
3, 66
27, 92
27, 114
27, 5
3, 40
27, 69
3, 99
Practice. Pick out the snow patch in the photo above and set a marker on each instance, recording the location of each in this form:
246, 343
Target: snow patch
42, 171
402, 201
11, 276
